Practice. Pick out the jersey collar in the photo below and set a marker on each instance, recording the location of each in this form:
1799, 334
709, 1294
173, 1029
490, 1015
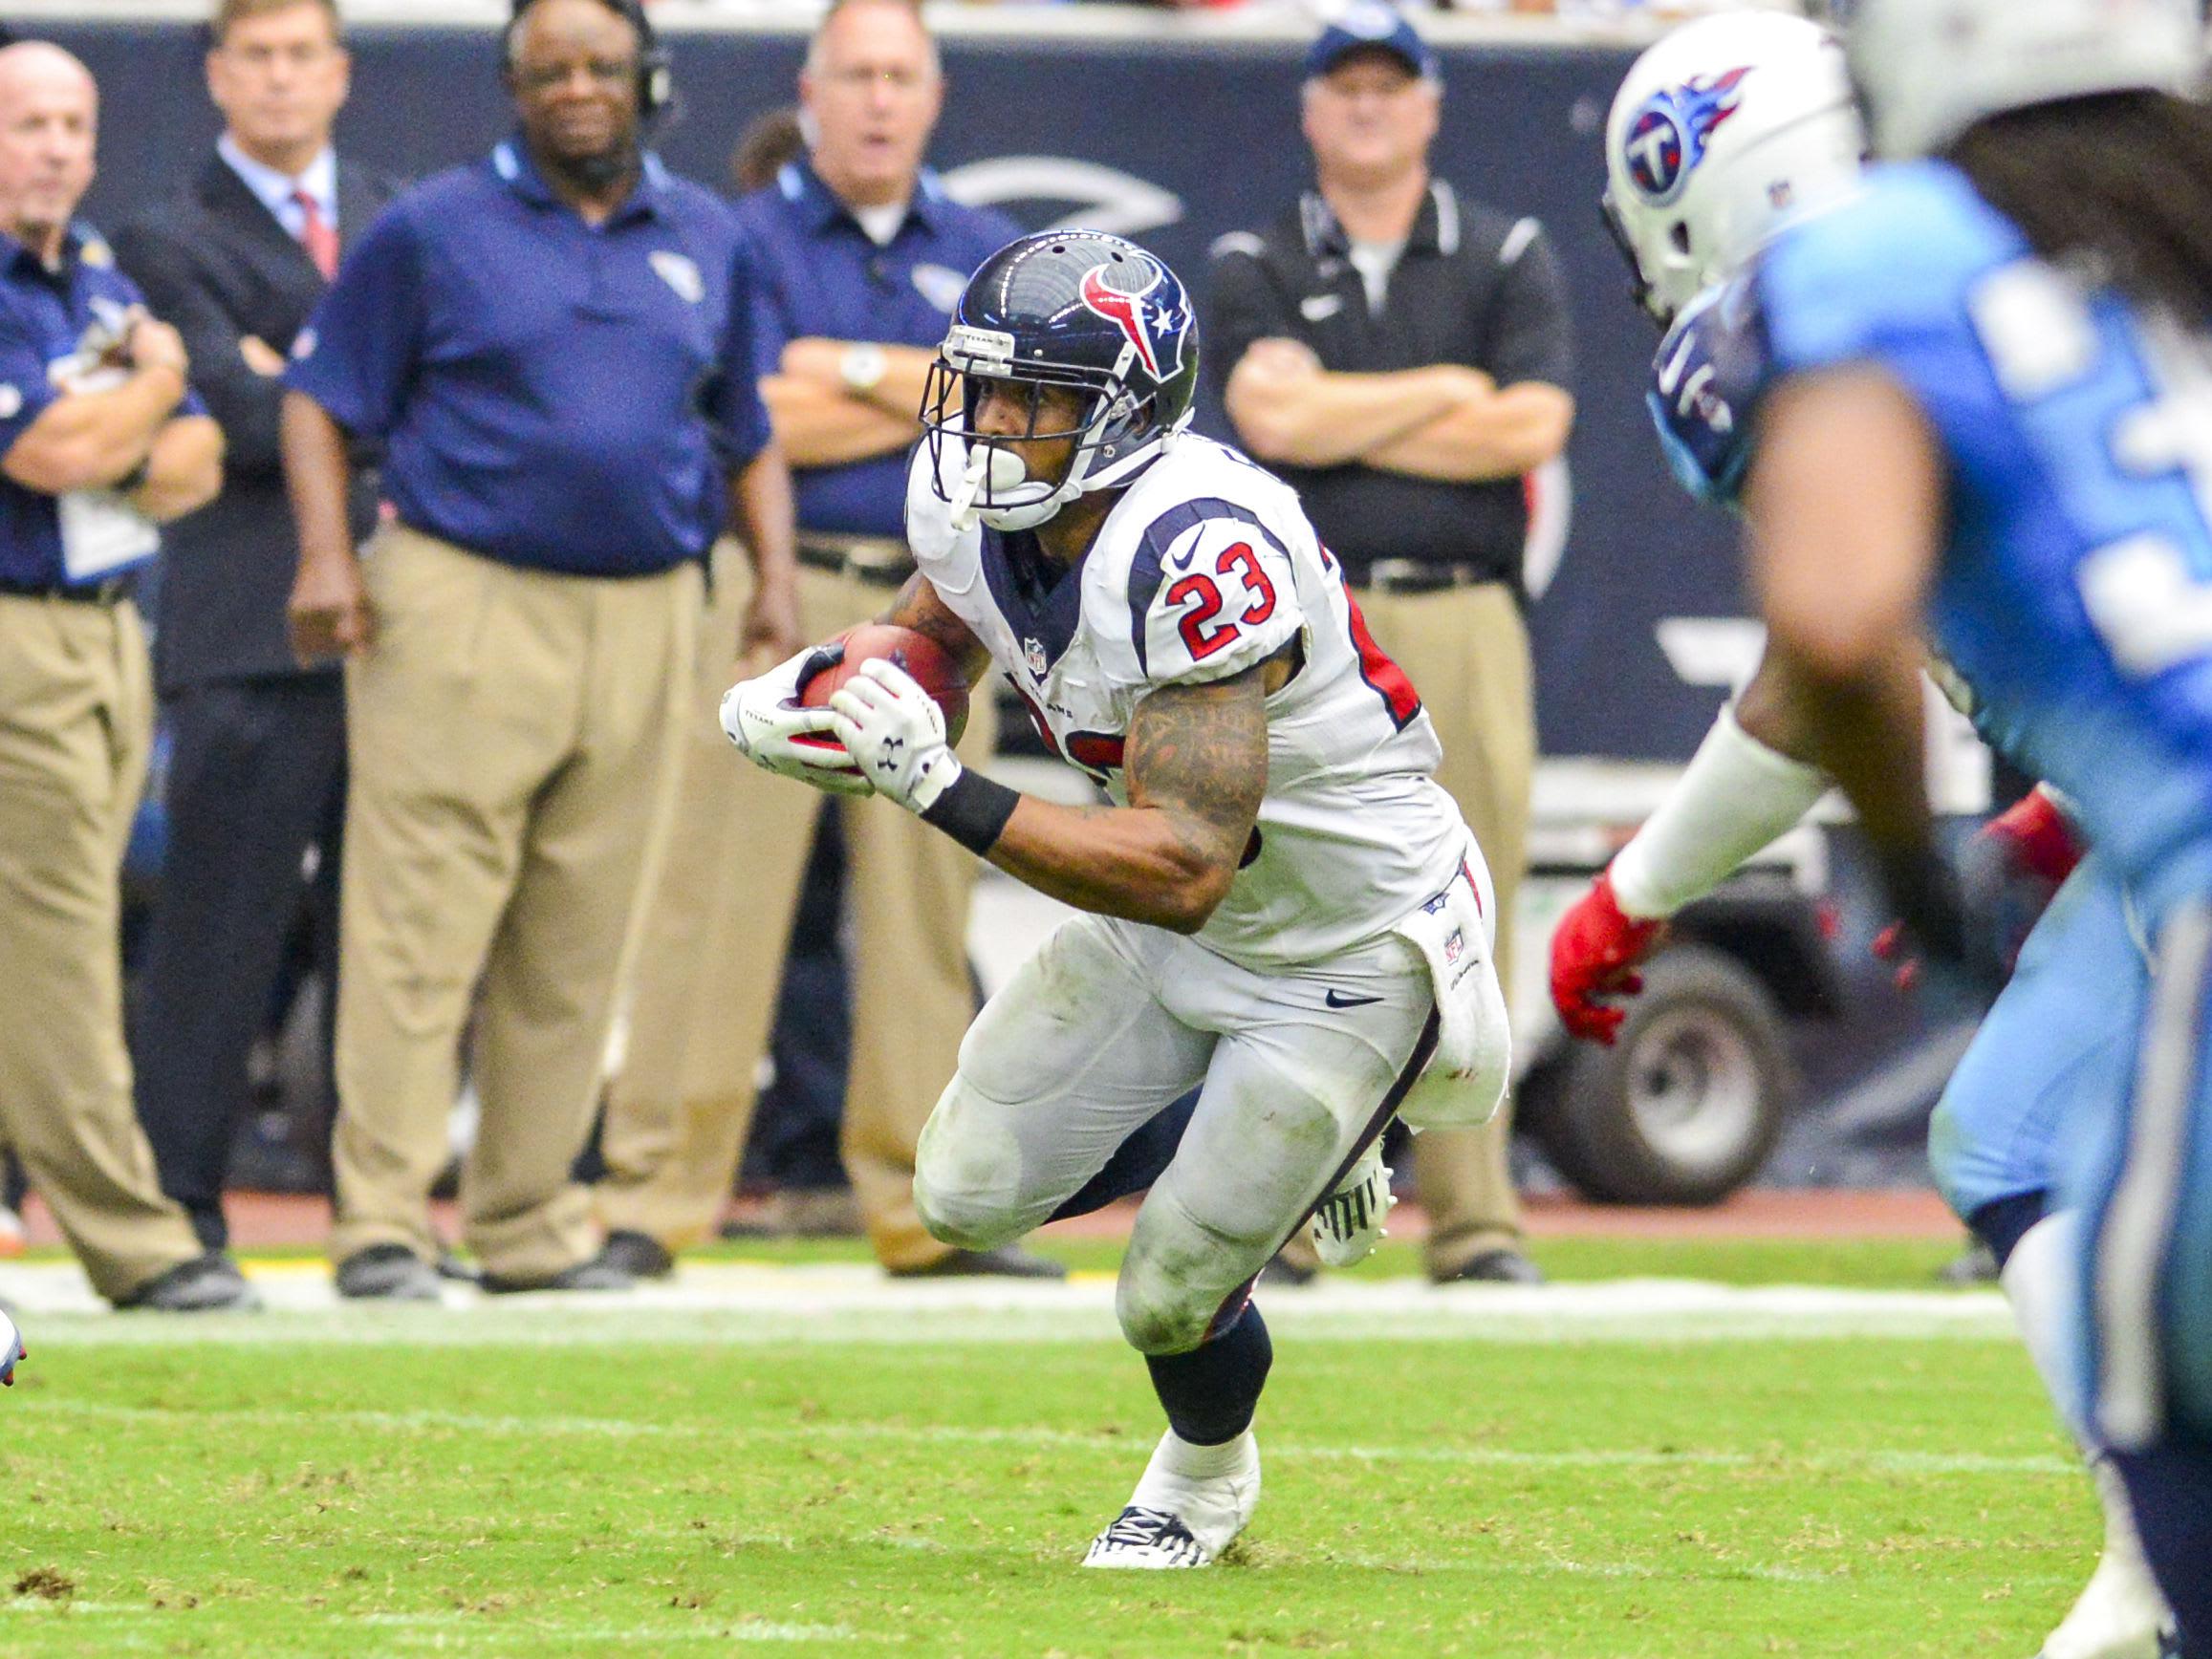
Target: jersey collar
819, 207
80, 245
511, 164
1436, 227
1051, 621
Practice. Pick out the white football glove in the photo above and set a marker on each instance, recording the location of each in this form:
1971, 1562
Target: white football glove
763, 718
894, 733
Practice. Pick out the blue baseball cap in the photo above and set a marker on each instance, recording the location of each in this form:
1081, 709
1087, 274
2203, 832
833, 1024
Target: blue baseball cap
1368, 26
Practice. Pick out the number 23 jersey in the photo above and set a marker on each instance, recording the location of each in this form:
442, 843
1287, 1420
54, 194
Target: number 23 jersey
1205, 568
2074, 590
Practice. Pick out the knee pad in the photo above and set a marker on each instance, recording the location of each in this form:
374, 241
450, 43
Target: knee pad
968, 1174
1159, 1317
1172, 1281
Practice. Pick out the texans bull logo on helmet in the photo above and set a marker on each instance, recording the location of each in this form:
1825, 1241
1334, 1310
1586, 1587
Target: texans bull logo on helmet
1667, 139
1142, 321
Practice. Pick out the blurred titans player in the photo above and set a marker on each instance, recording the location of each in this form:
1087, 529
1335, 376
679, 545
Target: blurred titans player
1721, 135
1992, 400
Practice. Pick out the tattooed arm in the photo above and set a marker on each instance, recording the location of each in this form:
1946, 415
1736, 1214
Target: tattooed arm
918, 608
1197, 760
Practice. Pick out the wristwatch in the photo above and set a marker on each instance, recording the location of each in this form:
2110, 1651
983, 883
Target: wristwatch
862, 367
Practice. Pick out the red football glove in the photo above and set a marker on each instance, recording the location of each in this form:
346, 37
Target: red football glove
1594, 951
2012, 869
2035, 839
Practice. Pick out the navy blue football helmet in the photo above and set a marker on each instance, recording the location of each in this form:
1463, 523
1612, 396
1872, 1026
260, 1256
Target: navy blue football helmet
1074, 309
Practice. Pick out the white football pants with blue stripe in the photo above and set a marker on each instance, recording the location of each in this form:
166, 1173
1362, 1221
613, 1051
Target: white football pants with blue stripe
1108, 1025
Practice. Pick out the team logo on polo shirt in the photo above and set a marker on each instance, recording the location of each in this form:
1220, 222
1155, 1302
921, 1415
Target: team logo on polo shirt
1142, 321
679, 274
940, 285
1667, 139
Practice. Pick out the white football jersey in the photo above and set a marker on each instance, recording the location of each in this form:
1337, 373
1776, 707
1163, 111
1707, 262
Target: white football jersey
1206, 567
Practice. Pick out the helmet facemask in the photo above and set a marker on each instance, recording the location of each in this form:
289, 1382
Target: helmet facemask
987, 476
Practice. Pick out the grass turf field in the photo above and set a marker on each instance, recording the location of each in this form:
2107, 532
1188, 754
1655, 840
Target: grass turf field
434, 1481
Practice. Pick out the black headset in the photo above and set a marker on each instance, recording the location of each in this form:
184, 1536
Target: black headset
656, 72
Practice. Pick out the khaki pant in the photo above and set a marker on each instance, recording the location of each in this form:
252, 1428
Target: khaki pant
679, 1113
515, 753
76, 723
1466, 652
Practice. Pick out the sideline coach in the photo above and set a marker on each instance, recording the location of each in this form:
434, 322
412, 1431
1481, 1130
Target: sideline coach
553, 344
860, 258
99, 438
1401, 355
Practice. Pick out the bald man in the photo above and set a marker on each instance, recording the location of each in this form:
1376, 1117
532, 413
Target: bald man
101, 441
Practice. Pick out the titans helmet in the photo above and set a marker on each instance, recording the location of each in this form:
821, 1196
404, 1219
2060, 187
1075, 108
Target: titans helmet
1721, 133
1074, 309
1927, 70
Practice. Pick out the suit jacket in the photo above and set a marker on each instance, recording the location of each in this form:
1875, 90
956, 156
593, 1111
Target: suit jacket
217, 266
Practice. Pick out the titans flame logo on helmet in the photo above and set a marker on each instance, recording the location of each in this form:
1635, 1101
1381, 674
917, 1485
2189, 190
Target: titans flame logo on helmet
1667, 139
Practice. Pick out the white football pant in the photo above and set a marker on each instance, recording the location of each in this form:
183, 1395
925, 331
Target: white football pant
1111, 1022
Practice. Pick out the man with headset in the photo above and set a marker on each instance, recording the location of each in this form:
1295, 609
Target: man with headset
553, 345
859, 255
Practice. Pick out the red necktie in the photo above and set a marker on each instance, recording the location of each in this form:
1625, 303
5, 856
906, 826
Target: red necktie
317, 235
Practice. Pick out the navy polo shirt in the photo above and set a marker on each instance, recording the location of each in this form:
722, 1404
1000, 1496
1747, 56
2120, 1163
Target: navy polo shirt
45, 315
820, 275
551, 393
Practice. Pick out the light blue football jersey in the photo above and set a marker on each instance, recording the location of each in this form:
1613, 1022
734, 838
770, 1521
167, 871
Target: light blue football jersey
2074, 593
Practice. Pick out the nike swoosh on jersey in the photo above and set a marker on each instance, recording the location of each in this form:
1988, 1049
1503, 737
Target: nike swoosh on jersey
1336, 998
1319, 308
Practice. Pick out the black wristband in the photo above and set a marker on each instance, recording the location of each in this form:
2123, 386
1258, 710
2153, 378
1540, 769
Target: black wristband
973, 810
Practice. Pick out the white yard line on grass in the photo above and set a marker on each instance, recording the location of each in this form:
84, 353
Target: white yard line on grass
736, 1304
426, 1422
485, 1630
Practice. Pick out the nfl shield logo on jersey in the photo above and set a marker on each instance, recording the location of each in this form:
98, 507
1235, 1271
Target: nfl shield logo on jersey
1033, 654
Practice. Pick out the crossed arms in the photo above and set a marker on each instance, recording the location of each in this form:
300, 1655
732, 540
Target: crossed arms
821, 421
1443, 421
128, 432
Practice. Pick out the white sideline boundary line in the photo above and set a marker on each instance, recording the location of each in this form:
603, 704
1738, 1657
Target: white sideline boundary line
746, 1303
1120, 1446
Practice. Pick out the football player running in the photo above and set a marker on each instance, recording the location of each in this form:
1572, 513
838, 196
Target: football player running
1722, 134
1286, 911
1992, 377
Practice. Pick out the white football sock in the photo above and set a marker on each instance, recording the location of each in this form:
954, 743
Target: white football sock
2039, 1281
1179, 1458
2121, 1604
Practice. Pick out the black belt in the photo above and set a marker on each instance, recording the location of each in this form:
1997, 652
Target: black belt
107, 593
876, 560
1412, 576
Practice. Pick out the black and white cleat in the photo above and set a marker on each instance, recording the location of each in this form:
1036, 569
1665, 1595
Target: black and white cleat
1348, 1223
1143, 1539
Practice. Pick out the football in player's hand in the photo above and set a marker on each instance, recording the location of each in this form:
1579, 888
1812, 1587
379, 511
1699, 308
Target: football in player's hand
928, 662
